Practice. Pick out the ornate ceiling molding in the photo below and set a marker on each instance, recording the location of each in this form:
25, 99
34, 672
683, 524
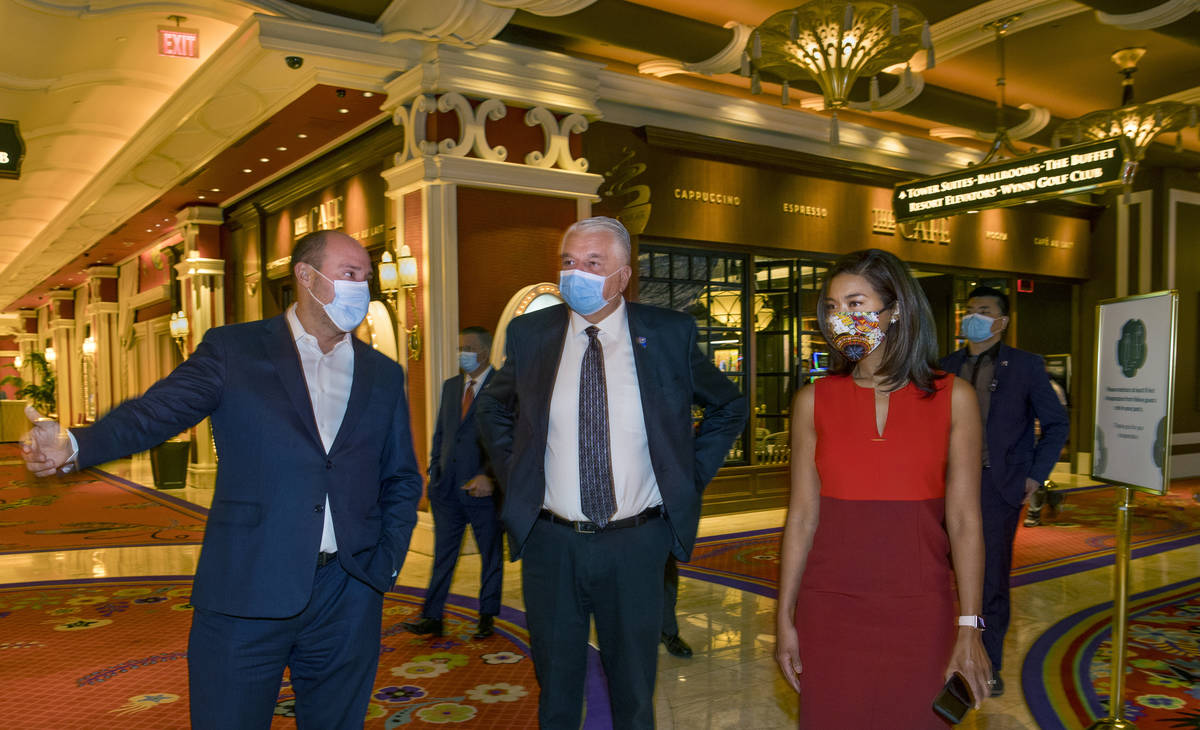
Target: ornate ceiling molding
640, 101
964, 32
466, 23
727, 60
516, 75
903, 93
1037, 120
1156, 17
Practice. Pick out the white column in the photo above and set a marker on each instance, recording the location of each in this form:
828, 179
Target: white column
103, 316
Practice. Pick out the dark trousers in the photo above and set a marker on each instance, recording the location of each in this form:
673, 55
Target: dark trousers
614, 577
1000, 520
450, 520
670, 625
235, 665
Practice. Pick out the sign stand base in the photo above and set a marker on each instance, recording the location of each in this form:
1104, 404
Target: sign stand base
1120, 619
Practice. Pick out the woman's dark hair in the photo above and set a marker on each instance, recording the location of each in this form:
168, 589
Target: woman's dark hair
910, 348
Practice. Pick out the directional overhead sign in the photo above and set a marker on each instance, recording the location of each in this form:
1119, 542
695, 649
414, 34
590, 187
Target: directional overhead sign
1066, 171
12, 149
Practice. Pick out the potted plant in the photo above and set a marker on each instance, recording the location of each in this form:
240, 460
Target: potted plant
40, 394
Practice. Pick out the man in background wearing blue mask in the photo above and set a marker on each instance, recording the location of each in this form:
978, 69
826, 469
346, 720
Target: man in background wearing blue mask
589, 426
314, 503
1013, 389
462, 491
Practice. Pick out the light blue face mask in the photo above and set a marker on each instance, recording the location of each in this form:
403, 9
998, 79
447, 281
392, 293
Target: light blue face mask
468, 362
977, 327
351, 300
583, 292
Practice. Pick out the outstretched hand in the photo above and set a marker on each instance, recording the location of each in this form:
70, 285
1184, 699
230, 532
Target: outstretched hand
46, 448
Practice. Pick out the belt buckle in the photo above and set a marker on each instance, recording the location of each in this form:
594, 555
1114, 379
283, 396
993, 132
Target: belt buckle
585, 528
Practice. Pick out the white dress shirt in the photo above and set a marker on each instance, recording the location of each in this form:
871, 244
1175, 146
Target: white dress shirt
467, 378
328, 377
633, 475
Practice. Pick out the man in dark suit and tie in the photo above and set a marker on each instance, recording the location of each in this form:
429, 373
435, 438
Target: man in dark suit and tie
461, 490
315, 497
1013, 389
589, 426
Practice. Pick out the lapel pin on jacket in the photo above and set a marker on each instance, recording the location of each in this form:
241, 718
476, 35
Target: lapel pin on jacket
642, 342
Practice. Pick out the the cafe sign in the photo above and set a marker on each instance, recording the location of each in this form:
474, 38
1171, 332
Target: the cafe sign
12, 149
1067, 171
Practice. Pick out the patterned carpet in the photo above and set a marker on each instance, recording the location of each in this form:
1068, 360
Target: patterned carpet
1066, 673
112, 653
87, 510
1078, 539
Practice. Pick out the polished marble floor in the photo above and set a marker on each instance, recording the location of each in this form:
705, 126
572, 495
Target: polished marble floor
732, 681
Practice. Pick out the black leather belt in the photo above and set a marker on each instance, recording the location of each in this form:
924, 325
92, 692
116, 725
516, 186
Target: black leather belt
590, 527
324, 559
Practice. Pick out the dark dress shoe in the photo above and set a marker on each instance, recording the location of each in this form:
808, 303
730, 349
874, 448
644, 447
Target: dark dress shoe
484, 629
996, 685
426, 626
676, 646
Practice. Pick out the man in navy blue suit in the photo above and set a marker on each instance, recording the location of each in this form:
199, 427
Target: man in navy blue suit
1013, 389
315, 497
462, 491
589, 427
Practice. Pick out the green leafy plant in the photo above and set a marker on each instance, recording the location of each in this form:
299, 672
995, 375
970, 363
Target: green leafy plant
40, 394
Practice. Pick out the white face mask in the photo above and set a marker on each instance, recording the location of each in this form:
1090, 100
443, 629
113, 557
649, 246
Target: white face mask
349, 305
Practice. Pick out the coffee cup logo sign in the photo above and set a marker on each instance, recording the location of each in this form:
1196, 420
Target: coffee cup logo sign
1131, 348
12, 149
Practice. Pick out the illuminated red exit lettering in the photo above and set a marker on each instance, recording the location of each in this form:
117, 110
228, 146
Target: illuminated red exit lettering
178, 42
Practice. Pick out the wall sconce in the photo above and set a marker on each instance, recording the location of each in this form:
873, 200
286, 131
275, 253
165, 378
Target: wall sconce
51, 355
397, 275
179, 330
89, 346
18, 361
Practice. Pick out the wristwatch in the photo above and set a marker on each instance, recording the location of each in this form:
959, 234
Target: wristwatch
975, 622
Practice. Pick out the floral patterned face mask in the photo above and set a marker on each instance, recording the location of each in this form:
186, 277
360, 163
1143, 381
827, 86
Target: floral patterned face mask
855, 334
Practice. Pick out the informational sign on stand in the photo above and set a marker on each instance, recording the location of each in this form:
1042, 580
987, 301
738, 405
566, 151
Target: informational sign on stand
1135, 389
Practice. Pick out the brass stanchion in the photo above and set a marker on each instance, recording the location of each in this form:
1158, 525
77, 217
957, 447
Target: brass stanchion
1116, 695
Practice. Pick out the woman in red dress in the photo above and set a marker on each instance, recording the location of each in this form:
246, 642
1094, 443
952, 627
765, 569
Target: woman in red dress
885, 492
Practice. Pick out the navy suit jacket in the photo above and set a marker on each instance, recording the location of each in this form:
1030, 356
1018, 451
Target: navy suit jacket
264, 527
457, 455
1022, 393
514, 414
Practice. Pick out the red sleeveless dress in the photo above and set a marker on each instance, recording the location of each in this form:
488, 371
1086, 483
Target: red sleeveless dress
875, 614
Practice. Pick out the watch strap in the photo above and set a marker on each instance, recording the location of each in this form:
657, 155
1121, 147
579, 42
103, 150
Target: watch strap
975, 622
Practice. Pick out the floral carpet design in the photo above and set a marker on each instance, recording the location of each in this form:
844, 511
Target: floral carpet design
113, 653
87, 510
1067, 673
1079, 538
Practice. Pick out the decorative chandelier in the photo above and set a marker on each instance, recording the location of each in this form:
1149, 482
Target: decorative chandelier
1138, 124
726, 308
834, 43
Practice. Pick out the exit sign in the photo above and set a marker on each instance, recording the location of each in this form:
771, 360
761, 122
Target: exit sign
12, 149
179, 42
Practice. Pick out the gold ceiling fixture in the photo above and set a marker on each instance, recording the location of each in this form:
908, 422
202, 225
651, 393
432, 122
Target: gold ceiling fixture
834, 43
1138, 124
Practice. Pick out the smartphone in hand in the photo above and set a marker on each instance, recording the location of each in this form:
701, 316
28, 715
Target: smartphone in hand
955, 700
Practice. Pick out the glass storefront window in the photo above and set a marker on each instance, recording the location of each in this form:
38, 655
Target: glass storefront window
711, 287
756, 318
